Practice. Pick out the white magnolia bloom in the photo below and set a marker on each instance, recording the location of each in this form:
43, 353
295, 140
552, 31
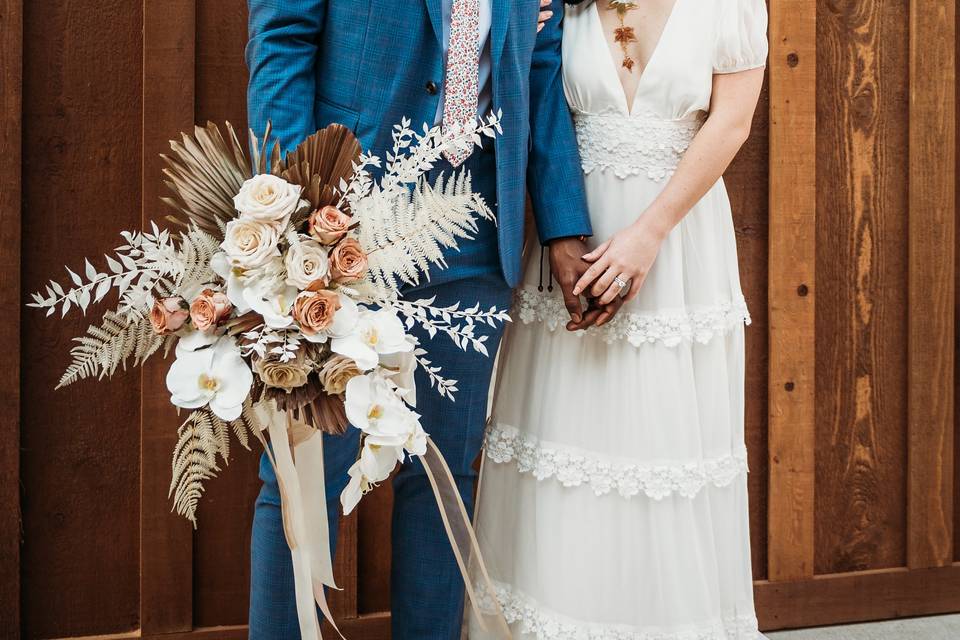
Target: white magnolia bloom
251, 243
306, 262
267, 198
216, 375
376, 333
344, 321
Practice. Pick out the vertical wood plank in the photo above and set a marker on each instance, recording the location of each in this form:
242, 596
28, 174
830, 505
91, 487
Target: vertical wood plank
166, 540
11, 86
790, 541
861, 351
931, 281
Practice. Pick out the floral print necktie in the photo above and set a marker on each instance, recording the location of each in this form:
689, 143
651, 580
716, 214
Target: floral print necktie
463, 62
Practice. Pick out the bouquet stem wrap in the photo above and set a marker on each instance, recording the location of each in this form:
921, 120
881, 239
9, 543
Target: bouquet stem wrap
297, 460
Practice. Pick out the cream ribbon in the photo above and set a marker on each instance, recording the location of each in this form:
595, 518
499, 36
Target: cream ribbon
297, 460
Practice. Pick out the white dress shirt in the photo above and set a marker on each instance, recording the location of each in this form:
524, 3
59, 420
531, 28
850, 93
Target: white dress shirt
486, 17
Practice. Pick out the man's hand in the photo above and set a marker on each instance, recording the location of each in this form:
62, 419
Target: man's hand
567, 265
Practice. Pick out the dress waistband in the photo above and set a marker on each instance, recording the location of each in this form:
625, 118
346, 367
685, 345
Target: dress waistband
634, 145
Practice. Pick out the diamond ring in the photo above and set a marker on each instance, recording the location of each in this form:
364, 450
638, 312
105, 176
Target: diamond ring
620, 282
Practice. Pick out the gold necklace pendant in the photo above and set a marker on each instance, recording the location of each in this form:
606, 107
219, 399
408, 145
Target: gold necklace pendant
624, 35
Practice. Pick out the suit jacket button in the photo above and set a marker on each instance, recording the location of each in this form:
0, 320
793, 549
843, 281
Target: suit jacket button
432, 88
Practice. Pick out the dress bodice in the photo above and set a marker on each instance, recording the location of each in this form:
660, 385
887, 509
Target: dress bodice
700, 38
647, 136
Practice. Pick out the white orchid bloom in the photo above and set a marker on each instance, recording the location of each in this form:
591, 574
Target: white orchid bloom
272, 301
399, 368
375, 465
376, 408
376, 333
344, 322
216, 376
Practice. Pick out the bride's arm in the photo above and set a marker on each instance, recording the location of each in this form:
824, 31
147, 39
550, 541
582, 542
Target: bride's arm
631, 251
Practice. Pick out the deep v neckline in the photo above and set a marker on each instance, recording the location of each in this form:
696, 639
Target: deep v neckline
629, 102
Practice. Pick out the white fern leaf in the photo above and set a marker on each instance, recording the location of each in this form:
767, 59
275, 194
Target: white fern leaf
194, 462
110, 345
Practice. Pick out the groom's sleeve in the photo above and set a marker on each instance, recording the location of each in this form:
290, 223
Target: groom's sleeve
281, 56
554, 177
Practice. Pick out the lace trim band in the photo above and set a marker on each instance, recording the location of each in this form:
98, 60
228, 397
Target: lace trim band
523, 611
633, 145
573, 467
670, 328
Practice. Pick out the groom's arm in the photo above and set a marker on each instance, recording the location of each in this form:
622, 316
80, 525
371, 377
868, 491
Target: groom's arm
554, 177
281, 56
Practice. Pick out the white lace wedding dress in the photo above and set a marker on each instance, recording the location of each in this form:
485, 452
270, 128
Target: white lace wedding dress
614, 497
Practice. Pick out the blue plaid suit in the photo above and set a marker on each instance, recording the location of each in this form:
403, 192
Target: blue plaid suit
367, 64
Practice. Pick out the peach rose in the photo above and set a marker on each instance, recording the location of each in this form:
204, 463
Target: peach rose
329, 224
336, 372
314, 310
348, 262
209, 308
168, 315
282, 375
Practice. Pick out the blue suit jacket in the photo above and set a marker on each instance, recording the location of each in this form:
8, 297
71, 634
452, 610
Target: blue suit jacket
368, 63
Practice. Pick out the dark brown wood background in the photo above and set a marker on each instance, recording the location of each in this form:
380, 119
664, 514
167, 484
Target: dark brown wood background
845, 209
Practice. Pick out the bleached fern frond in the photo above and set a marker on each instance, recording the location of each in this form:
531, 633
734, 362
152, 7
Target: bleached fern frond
203, 437
109, 346
403, 235
194, 462
196, 249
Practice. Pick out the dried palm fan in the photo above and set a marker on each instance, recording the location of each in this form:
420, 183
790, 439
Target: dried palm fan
319, 163
204, 172
312, 405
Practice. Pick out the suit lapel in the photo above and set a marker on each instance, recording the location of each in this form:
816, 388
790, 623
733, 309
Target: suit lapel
435, 8
498, 27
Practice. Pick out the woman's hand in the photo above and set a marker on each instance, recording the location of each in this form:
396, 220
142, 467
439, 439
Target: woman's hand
629, 254
545, 14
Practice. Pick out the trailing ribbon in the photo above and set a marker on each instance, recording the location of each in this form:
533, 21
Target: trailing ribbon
303, 504
297, 460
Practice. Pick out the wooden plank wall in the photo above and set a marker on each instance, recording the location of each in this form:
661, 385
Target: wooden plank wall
11, 62
844, 203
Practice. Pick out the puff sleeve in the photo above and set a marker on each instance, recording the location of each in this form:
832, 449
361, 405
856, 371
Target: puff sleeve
741, 36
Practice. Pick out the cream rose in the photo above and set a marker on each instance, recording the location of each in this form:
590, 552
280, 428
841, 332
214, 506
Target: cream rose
282, 375
314, 310
168, 315
329, 224
348, 262
336, 373
209, 309
306, 263
250, 243
267, 198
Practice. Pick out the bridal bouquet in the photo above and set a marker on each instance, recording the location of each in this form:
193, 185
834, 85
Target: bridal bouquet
281, 288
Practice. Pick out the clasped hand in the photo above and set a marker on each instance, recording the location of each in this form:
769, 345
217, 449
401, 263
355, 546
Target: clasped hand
608, 276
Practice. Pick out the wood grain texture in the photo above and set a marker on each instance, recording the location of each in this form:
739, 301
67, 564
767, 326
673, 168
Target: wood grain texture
862, 289
166, 544
791, 294
932, 212
226, 511
858, 597
80, 467
746, 180
11, 68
